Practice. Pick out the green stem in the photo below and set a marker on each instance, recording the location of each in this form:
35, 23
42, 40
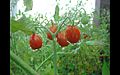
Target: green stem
51, 56
83, 10
54, 57
64, 52
44, 61
60, 26
22, 64
54, 49
45, 28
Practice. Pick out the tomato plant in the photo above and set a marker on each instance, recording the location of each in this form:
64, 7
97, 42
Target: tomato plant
56, 55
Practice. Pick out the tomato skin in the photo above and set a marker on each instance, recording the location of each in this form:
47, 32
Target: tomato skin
35, 41
53, 29
72, 34
61, 39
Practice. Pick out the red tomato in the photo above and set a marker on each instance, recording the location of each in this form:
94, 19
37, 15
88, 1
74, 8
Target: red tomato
72, 34
35, 41
53, 29
61, 39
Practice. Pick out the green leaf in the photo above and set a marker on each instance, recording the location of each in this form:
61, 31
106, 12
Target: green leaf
16, 26
56, 15
90, 42
94, 42
105, 69
28, 4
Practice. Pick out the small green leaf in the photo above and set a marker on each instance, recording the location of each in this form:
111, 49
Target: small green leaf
90, 42
94, 42
56, 15
105, 69
28, 4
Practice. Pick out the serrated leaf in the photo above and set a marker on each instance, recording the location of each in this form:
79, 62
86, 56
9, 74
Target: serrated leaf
105, 69
56, 15
28, 4
16, 26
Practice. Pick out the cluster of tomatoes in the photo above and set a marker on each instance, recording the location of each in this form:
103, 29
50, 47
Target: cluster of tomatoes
70, 35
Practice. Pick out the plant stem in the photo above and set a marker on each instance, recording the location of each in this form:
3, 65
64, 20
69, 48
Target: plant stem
64, 52
44, 61
22, 64
54, 57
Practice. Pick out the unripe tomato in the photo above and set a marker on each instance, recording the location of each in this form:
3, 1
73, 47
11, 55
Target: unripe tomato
85, 20
53, 29
35, 41
61, 39
72, 34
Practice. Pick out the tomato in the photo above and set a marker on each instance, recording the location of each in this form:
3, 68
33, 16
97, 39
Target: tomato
53, 29
61, 39
85, 20
35, 41
72, 34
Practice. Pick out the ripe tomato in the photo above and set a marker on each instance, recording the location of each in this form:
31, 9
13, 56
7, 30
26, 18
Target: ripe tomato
61, 39
72, 34
53, 29
35, 41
